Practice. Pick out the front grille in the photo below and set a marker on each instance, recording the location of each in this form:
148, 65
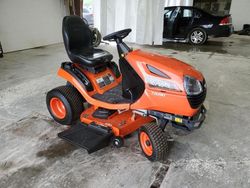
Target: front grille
196, 100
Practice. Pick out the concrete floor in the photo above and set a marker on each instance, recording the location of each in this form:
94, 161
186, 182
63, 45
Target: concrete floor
216, 155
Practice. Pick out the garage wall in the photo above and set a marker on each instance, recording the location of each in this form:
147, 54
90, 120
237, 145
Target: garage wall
144, 17
30, 23
169, 3
240, 13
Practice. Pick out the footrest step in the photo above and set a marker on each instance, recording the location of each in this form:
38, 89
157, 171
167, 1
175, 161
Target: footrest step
103, 113
90, 137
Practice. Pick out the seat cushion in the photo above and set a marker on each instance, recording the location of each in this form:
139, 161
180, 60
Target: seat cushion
91, 57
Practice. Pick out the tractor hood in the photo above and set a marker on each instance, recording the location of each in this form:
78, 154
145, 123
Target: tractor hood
172, 67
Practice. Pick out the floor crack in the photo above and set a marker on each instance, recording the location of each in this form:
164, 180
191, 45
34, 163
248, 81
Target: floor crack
160, 175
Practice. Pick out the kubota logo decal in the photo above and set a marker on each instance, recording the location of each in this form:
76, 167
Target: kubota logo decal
158, 94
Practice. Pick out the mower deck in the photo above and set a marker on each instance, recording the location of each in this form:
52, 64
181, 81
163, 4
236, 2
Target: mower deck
121, 124
94, 133
90, 137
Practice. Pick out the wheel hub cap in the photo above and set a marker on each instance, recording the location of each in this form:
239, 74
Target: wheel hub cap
57, 107
146, 144
197, 37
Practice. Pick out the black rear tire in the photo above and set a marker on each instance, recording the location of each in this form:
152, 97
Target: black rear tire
157, 140
72, 101
197, 36
97, 37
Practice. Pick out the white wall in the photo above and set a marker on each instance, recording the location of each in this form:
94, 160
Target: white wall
240, 13
169, 3
110, 17
144, 17
30, 23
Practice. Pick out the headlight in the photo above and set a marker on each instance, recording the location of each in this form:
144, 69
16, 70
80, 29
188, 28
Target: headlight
192, 86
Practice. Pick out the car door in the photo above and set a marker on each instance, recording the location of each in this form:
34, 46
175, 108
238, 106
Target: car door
170, 16
184, 22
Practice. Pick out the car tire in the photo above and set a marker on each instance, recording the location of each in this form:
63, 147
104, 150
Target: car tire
197, 36
65, 104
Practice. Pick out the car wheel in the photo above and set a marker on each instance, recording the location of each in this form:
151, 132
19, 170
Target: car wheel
197, 36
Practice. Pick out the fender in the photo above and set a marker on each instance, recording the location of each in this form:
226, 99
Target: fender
70, 78
78, 75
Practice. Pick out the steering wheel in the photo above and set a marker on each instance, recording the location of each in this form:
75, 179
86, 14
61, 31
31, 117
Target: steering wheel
118, 34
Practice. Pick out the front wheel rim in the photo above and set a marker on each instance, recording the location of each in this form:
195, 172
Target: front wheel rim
146, 144
57, 108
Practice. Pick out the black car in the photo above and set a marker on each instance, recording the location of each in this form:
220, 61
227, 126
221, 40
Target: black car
190, 24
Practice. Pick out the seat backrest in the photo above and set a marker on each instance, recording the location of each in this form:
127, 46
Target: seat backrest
76, 34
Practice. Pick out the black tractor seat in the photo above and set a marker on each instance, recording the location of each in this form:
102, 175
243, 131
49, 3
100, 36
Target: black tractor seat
91, 57
78, 40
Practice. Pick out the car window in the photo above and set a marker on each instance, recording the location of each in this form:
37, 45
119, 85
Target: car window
187, 13
85, 10
168, 13
176, 12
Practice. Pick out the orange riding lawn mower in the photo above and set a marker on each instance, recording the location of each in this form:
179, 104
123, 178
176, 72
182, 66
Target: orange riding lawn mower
103, 103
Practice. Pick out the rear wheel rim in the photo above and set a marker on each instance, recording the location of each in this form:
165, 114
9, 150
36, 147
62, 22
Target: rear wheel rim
146, 144
197, 37
57, 108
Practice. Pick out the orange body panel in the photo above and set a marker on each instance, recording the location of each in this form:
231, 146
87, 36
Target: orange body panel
174, 68
164, 102
64, 74
92, 77
121, 124
169, 101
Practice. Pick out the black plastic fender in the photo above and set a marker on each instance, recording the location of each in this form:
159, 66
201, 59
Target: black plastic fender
78, 75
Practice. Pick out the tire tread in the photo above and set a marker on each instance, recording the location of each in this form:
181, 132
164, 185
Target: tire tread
158, 139
73, 97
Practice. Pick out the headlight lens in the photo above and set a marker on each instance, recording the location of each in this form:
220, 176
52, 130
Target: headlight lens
192, 86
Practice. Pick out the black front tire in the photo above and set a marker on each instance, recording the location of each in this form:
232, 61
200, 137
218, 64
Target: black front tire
72, 101
157, 140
